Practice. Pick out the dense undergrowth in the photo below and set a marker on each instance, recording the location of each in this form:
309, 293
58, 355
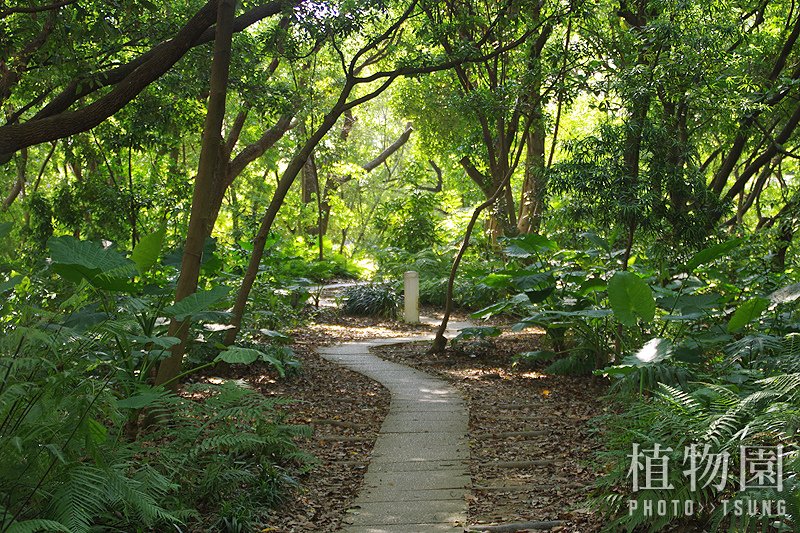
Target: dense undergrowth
88, 443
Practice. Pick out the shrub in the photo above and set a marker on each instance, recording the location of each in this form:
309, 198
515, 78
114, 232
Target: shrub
372, 300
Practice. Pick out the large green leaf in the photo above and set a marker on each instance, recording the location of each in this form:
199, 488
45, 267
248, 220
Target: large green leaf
630, 297
104, 268
276, 335
10, 284
539, 296
691, 303
529, 245
175, 257
746, 313
596, 240
145, 254
240, 356
496, 309
592, 285
197, 304
498, 280
247, 356
477, 332
533, 281
712, 252
654, 351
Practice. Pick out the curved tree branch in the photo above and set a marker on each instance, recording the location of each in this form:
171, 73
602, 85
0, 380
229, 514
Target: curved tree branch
54, 121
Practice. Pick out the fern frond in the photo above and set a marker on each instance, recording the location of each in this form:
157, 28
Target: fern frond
80, 498
679, 398
34, 526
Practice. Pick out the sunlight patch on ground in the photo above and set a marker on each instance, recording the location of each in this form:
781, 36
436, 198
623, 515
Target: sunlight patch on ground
534, 375
355, 332
480, 373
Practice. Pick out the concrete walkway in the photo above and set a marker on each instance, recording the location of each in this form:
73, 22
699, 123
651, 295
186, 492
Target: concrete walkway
417, 477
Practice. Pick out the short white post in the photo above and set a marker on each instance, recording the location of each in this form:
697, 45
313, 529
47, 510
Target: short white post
411, 297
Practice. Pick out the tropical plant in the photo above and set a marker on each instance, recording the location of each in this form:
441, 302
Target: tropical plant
371, 300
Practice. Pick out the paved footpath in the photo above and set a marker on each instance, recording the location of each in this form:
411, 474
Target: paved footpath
418, 475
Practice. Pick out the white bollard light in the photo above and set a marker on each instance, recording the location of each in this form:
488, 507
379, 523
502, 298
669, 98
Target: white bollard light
411, 296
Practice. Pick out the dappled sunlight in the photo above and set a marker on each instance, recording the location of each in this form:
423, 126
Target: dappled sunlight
534, 375
436, 391
340, 333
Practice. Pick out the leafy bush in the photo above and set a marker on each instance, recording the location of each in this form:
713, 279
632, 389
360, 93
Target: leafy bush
434, 267
231, 453
81, 461
371, 300
744, 392
410, 221
62, 458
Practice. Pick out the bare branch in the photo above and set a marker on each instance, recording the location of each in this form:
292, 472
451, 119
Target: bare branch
255, 150
438, 187
35, 9
392, 148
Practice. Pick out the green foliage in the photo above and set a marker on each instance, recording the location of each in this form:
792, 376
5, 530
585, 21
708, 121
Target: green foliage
196, 306
62, 457
280, 357
148, 250
410, 221
78, 260
658, 361
82, 461
630, 298
642, 107
749, 397
373, 299
470, 290
229, 452
477, 332
41, 220
711, 253
746, 313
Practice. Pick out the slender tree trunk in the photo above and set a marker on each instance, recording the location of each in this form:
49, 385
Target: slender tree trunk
440, 341
534, 187
19, 182
206, 187
284, 184
134, 213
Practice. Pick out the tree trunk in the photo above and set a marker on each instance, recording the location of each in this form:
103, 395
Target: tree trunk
534, 187
284, 184
310, 180
440, 341
19, 182
206, 187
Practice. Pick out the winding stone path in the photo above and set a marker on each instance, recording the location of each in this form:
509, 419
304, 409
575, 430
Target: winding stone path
418, 476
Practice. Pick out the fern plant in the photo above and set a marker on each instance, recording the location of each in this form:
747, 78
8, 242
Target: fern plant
233, 446
762, 410
63, 463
